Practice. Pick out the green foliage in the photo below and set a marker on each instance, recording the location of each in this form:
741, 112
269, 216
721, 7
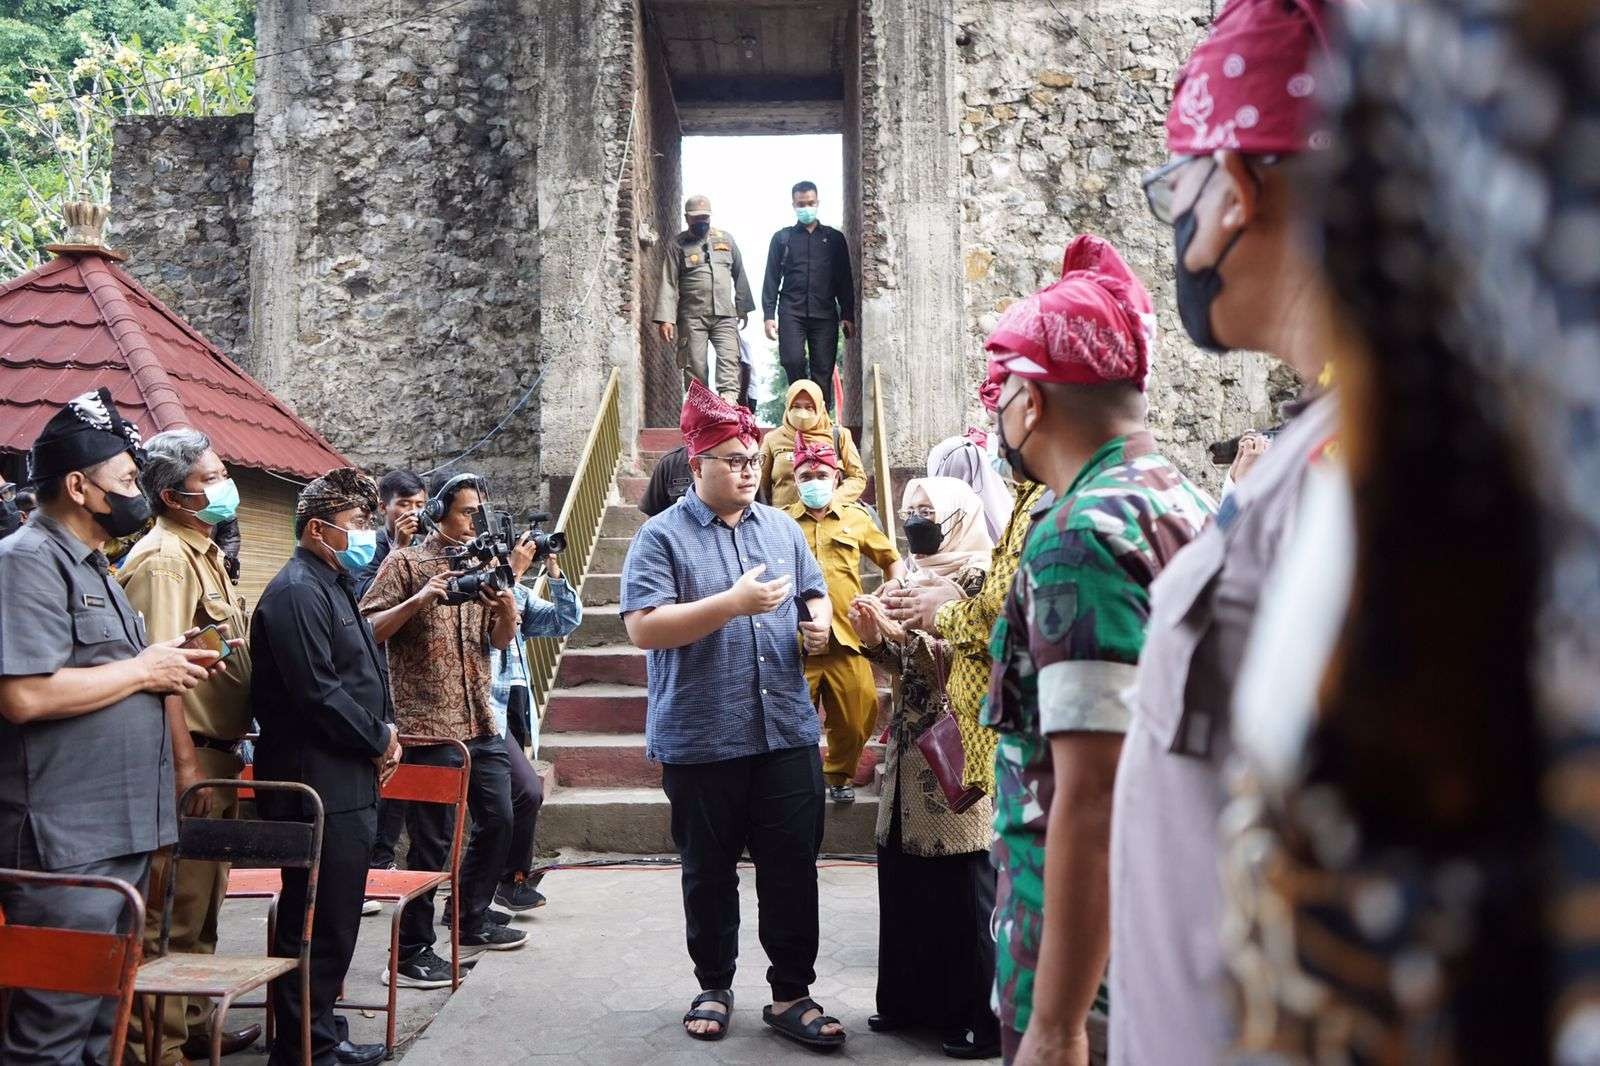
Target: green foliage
56, 117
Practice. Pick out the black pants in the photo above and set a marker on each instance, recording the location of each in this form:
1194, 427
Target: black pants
821, 336
432, 825
341, 885
771, 803
527, 796
391, 820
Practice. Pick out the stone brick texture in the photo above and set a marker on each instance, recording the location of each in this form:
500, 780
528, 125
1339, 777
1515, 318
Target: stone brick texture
180, 204
1062, 111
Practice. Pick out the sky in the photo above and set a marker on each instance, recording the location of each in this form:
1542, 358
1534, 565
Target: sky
748, 180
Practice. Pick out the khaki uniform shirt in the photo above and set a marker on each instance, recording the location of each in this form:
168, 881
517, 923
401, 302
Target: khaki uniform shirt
837, 541
176, 577
1166, 953
703, 277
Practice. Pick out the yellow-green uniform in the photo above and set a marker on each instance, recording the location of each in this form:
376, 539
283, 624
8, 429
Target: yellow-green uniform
704, 292
841, 677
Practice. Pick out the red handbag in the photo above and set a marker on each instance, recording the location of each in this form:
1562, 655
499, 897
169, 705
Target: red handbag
940, 745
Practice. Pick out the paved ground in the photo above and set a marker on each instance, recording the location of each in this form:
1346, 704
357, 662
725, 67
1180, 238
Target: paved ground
605, 978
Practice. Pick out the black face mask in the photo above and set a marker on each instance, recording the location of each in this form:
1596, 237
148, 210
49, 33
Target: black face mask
1013, 454
128, 514
924, 536
1198, 289
700, 229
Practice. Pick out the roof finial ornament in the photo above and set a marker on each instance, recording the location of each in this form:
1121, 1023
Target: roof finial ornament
85, 229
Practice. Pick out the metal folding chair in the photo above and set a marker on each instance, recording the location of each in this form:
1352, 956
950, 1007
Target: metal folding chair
411, 783
247, 845
47, 959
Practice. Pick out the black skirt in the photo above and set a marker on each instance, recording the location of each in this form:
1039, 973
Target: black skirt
935, 948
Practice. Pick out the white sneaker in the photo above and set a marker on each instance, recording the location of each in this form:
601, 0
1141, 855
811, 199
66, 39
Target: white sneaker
369, 907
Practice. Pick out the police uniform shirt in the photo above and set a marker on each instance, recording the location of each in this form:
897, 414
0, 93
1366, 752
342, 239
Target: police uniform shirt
95, 786
703, 276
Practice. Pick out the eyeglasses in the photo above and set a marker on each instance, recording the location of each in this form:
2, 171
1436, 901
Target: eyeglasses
1160, 184
919, 512
738, 464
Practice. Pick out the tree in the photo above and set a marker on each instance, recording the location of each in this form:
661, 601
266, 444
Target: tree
56, 134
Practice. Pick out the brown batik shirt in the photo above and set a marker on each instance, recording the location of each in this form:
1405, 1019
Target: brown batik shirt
438, 660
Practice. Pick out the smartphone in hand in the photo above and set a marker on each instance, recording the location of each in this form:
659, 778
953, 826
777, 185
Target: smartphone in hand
211, 639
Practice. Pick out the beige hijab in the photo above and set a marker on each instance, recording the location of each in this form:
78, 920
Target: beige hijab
966, 541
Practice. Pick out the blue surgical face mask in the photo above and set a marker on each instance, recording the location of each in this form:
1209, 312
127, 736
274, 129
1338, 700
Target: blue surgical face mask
998, 462
805, 215
816, 494
222, 502
360, 545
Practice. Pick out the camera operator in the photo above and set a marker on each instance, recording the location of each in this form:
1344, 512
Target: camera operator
401, 495
439, 667
513, 706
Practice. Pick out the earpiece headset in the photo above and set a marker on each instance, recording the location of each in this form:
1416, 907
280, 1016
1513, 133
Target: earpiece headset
433, 510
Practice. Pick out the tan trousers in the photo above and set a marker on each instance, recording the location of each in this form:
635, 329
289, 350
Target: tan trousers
722, 332
195, 905
842, 685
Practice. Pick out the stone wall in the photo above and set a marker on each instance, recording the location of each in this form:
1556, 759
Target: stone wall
395, 262
180, 207
658, 208
1053, 141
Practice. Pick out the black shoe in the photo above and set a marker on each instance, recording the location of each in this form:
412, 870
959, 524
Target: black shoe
490, 915
422, 970
494, 938
965, 1044
519, 895
842, 794
879, 1024
357, 1054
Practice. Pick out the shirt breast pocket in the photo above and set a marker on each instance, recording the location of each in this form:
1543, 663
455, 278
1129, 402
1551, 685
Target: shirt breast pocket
1179, 620
94, 627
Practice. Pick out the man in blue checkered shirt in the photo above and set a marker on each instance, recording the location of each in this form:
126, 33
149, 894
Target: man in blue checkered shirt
723, 592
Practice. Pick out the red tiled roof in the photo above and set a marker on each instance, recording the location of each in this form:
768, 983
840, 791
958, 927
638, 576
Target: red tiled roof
80, 322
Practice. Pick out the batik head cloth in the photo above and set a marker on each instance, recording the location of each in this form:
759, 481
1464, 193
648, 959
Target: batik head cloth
87, 431
1249, 85
1096, 325
335, 491
814, 450
708, 420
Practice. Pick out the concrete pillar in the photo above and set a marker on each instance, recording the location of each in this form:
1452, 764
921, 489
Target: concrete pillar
585, 106
913, 321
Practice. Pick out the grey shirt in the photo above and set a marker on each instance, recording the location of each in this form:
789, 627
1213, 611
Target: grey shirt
99, 785
1166, 895
703, 277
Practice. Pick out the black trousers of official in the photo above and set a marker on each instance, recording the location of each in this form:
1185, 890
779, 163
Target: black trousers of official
341, 886
527, 792
391, 821
432, 825
771, 803
821, 336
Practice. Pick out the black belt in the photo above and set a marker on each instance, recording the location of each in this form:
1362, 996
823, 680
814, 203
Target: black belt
203, 741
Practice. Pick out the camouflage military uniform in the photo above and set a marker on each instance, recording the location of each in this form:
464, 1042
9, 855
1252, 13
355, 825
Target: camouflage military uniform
1065, 652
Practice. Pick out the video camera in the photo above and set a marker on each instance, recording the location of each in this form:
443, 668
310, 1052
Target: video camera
485, 560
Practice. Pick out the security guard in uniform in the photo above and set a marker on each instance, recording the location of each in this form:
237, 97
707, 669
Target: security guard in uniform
703, 290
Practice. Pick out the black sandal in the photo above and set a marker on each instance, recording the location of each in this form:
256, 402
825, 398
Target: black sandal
723, 996
810, 1033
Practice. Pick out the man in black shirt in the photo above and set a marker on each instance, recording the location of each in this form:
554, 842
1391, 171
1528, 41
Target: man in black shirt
809, 275
320, 690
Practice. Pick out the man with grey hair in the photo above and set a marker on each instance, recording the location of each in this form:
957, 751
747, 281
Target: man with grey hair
177, 576
703, 292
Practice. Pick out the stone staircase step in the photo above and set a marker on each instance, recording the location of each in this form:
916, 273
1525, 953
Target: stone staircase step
620, 664
609, 553
638, 821
601, 626
632, 489
621, 520
595, 708
600, 760
602, 589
